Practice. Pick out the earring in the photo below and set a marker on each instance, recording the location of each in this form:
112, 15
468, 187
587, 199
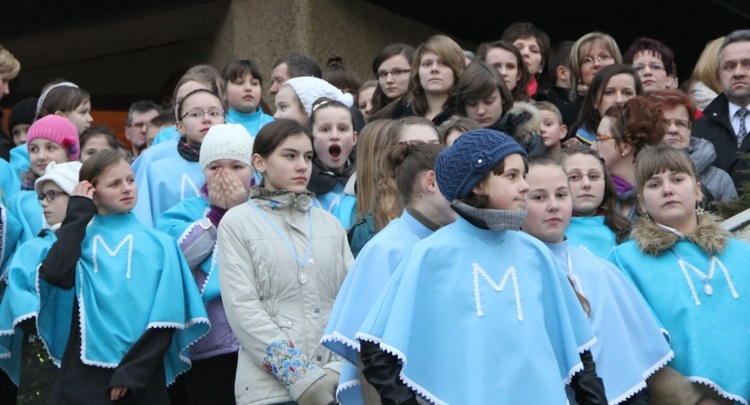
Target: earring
698, 209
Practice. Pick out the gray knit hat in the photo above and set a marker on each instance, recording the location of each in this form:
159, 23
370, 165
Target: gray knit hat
470, 159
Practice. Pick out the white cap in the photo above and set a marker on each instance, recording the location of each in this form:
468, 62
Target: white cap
310, 88
226, 141
65, 175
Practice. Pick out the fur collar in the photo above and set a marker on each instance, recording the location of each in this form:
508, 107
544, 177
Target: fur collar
532, 125
654, 240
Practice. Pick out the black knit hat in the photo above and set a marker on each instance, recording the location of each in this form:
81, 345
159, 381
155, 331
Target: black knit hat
470, 159
22, 113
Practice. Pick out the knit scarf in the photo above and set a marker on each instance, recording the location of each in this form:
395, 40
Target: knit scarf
189, 151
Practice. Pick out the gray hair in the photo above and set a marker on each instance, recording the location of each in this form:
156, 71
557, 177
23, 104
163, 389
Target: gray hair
735, 36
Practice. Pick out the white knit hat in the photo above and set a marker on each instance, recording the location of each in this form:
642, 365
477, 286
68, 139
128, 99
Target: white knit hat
310, 88
226, 141
65, 175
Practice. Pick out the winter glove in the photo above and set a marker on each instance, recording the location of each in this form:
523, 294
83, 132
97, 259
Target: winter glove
321, 392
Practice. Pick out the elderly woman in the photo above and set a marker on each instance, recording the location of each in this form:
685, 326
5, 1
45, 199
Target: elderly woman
679, 114
654, 63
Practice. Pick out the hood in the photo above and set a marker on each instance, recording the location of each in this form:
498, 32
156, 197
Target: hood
533, 122
654, 240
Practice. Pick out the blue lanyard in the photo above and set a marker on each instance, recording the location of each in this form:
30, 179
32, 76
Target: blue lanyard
301, 263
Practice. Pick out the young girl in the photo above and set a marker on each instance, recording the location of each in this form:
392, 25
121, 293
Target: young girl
97, 139
426, 210
364, 97
296, 97
50, 139
22, 355
597, 225
65, 100
625, 354
705, 307
623, 132
244, 89
437, 65
483, 96
334, 139
461, 288
614, 84
137, 309
225, 161
282, 262
171, 179
507, 60
392, 68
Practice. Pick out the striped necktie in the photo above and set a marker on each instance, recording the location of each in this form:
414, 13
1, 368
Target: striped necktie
742, 133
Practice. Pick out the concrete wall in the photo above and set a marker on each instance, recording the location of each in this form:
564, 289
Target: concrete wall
141, 57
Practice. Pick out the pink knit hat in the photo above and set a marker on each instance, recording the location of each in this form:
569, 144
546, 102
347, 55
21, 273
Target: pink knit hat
56, 129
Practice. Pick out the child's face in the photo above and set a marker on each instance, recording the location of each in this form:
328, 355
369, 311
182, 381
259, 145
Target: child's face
334, 136
42, 151
196, 120
96, 143
80, 117
244, 94
231, 167
548, 203
435, 76
506, 63
586, 177
670, 199
486, 111
289, 166
393, 76
418, 133
364, 101
289, 106
552, 131
19, 133
54, 211
115, 191
507, 190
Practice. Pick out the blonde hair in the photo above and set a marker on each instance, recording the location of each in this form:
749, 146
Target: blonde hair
582, 47
453, 56
706, 70
9, 65
374, 140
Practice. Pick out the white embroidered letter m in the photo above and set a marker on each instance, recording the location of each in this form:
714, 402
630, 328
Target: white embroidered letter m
511, 272
112, 253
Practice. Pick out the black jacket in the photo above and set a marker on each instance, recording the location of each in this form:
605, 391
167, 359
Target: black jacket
715, 126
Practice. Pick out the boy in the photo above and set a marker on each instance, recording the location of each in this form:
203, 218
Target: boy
553, 130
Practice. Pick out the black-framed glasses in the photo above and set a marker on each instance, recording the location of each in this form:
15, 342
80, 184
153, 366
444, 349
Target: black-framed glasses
395, 72
50, 195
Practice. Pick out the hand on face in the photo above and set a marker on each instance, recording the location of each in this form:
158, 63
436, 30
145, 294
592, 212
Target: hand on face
226, 190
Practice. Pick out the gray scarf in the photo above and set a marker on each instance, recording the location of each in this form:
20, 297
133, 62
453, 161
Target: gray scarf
493, 220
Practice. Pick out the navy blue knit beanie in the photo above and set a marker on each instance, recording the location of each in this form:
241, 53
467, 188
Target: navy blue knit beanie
470, 159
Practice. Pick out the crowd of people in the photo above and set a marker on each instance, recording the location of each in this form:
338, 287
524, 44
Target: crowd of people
526, 223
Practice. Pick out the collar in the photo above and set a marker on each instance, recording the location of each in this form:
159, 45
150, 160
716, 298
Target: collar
493, 220
422, 219
733, 108
281, 200
654, 239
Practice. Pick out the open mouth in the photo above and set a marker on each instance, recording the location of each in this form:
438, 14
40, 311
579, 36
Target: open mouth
334, 151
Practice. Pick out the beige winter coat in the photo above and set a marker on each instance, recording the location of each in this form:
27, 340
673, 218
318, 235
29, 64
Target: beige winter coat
277, 318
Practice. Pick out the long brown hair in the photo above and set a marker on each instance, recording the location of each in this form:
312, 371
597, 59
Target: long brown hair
373, 142
406, 162
451, 54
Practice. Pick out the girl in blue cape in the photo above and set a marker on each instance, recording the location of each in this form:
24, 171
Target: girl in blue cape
478, 312
282, 263
136, 307
225, 159
22, 355
630, 345
171, 179
596, 226
50, 139
244, 89
426, 210
694, 277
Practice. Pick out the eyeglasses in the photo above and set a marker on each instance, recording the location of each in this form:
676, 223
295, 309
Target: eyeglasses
680, 124
198, 114
601, 59
602, 138
592, 176
395, 72
653, 66
50, 195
